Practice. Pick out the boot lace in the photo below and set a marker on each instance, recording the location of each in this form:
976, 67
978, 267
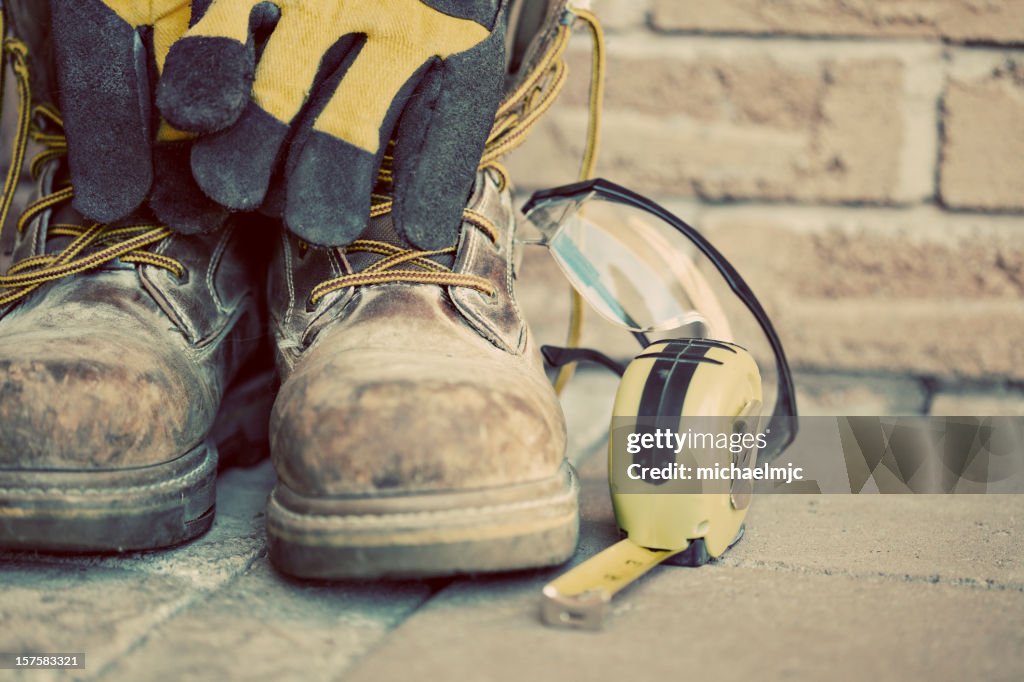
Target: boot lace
91, 245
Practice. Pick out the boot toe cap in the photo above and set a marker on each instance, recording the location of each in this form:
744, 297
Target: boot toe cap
369, 422
93, 399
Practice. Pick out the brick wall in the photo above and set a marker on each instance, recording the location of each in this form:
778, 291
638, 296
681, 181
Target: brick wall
860, 161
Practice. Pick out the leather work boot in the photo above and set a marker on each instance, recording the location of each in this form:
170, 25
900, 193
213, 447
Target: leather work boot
120, 348
110, 383
415, 433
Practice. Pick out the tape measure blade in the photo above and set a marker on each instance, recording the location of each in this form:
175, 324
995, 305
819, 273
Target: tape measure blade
579, 597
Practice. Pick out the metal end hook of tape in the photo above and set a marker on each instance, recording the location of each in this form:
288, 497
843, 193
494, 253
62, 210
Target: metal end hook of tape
582, 611
580, 598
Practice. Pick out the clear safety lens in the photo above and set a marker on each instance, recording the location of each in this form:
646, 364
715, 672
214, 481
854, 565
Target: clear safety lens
640, 271
631, 268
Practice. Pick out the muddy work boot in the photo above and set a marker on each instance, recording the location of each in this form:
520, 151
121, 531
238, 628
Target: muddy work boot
415, 433
119, 347
111, 381
110, 384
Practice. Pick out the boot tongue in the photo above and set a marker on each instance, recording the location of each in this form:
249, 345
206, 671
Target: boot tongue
382, 229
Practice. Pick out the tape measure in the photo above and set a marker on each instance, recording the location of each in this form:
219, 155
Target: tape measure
670, 382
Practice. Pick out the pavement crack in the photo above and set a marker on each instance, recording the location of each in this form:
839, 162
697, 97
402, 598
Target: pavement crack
435, 587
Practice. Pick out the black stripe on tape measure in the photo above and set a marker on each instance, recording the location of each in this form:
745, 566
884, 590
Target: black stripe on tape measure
664, 393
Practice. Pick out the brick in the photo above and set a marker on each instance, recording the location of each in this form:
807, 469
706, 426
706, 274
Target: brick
725, 119
876, 290
840, 253
830, 394
860, 290
955, 338
1000, 402
989, 21
619, 15
984, 132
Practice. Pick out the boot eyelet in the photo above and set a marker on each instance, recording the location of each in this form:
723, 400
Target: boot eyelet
181, 279
310, 306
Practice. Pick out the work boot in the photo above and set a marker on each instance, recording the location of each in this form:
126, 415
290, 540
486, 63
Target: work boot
119, 347
415, 433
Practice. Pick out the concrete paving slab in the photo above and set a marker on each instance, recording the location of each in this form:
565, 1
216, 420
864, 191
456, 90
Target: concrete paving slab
264, 627
959, 539
915, 587
975, 540
932, 592
100, 611
715, 622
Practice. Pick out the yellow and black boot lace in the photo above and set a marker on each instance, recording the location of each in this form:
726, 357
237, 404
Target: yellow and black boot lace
85, 246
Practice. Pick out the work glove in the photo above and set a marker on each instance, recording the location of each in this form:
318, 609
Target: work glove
304, 93
310, 92
108, 56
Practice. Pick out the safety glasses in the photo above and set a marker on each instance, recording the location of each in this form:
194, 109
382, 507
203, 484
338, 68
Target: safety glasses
645, 269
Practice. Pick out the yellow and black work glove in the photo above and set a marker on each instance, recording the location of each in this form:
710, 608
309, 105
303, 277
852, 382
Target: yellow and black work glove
108, 56
308, 94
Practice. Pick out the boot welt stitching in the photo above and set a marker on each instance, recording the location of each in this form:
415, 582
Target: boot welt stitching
562, 497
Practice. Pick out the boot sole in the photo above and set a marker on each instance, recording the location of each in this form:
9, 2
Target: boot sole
109, 511
429, 535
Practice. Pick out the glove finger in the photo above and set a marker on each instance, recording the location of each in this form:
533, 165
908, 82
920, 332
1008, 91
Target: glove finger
176, 199
337, 150
440, 140
234, 166
105, 100
208, 75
